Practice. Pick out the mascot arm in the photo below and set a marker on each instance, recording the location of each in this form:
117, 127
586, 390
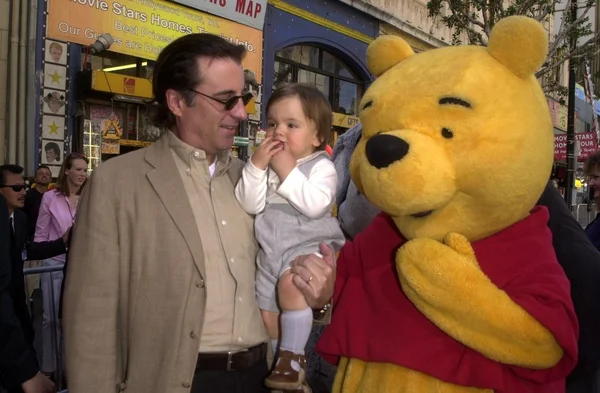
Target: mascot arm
446, 284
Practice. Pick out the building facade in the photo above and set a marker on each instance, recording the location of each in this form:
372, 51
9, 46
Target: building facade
96, 103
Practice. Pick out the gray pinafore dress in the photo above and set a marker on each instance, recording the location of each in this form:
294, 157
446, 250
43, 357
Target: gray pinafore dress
284, 233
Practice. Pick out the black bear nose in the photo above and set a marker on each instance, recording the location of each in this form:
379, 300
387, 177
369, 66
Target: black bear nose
383, 150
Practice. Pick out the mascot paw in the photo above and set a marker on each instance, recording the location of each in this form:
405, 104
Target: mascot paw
421, 262
461, 245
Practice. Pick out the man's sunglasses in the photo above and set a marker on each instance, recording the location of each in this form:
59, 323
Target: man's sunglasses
15, 187
229, 103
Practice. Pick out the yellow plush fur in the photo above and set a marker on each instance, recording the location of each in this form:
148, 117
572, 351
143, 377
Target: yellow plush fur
471, 170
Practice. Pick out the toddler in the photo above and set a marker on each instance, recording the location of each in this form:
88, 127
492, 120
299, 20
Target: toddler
289, 183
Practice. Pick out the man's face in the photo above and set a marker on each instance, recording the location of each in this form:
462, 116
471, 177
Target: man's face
206, 121
50, 155
15, 199
43, 176
595, 182
56, 54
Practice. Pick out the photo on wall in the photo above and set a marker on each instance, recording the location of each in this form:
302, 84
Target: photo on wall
256, 115
52, 152
55, 76
53, 127
54, 102
55, 170
252, 129
258, 94
55, 52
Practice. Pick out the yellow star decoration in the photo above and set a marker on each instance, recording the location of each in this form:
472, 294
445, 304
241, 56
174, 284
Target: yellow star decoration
55, 77
53, 128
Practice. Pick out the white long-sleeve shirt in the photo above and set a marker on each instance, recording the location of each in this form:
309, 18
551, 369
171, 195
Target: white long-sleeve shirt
313, 196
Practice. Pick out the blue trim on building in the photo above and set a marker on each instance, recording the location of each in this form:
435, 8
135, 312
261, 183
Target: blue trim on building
74, 65
340, 13
283, 29
39, 69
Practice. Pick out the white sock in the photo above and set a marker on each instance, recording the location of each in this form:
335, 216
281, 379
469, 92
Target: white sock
295, 329
274, 342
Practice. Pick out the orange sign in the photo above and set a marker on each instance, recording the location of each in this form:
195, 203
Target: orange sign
142, 28
129, 86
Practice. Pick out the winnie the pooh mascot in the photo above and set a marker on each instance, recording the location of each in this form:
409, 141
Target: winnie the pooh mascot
455, 287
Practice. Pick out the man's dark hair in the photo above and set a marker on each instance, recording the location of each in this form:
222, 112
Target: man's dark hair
8, 168
42, 167
53, 146
177, 68
592, 163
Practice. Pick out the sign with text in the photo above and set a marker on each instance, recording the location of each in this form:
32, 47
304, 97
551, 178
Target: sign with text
345, 121
111, 82
559, 114
248, 12
142, 28
586, 141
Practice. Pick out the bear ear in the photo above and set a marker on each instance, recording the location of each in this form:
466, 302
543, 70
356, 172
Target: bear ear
385, 52
520, 43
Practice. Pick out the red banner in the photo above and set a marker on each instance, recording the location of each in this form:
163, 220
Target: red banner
585, 140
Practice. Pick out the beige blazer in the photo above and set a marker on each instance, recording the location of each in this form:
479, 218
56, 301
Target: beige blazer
153, 345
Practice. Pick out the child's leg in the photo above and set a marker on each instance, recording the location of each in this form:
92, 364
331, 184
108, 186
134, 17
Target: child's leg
271, 320
296, 317
296, 324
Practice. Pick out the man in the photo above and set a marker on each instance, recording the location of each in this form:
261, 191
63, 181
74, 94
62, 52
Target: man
19, 371
52, 153
592, 170
33, 199
12, 187
160, 292
576, 254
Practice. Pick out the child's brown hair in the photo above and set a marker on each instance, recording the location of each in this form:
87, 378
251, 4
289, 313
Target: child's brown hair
315, 105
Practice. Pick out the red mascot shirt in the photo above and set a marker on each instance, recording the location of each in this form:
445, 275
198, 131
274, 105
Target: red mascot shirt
374, 321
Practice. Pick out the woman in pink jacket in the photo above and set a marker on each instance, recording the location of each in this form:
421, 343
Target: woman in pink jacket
57, 215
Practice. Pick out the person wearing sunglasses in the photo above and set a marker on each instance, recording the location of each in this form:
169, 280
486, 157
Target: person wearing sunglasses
159, 295
12, 191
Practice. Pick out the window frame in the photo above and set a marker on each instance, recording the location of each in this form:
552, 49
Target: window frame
333, 98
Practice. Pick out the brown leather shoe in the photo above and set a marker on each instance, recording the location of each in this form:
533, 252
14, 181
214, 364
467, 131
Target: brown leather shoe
283, 376
304, 388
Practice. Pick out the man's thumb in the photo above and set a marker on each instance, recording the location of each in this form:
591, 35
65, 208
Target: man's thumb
328, 254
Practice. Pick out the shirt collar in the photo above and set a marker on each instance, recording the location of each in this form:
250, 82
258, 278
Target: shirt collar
186, 153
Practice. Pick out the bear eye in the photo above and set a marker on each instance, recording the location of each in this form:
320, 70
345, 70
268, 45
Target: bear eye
447, 133
368, 104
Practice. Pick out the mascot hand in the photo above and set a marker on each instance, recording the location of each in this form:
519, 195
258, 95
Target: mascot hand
444, 281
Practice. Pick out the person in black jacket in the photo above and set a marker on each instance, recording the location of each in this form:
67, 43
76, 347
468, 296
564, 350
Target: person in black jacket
18, 364
33, 199
12, 187
581, 262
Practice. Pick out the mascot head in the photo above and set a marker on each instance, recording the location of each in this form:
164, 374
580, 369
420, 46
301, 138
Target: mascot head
457, 139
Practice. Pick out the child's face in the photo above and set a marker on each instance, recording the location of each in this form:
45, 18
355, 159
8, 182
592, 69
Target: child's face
288, 123
55, 53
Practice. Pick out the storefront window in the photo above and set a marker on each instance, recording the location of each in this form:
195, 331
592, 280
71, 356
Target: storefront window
335, 66
301, 54
121, 64
316, 66
283, 74
320, 81
347, 97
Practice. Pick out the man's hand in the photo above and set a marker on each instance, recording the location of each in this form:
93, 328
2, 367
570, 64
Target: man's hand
38, 384
315, 276
264, 152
